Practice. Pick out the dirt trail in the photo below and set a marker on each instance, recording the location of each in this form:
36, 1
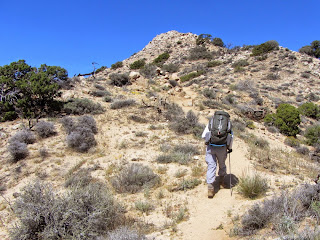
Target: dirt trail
208, 216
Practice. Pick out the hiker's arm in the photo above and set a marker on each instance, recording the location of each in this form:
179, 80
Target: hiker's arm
205, 131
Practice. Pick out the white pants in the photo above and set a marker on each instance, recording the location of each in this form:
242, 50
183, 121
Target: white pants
215, 156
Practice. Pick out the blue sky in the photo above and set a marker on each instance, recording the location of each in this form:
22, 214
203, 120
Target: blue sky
73, 34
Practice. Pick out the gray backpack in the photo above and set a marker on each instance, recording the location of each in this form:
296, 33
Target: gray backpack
220, 127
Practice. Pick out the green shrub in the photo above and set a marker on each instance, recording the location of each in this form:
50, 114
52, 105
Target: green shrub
134, 177
252, 186
80, 106
137, 64
217, 42
161, 58
265, 48
214, 63
310, 110
286, 119
101, 69
144, 207
312, 50
191, 76
292, 142
312, 135
203, 38
117, 65
81, 213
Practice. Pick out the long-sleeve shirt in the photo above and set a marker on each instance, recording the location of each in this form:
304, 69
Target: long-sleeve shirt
206, 134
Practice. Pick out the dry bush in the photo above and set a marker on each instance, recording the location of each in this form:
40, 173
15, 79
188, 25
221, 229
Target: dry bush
68, 124
122, 103
80, 178
89, 122
18, 150
23, 136
187, 184
137, 119
45, 129
134, 177
252, 186
79, 106
81, 139
282, 212
81, 213
125, 233
119, 80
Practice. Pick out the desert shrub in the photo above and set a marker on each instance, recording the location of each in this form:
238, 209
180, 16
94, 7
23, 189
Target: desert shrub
229, 99
292, 142
137, 64
144, 206
214, 63
149, 71
252, 186
190, 76
99, 87
310, 110
186, 148
259, 142
188, 124
161, 58
312, 135
286, 119
99, 93
80, 178
171, 67
68, 124
18, 150
265, 48
107, 99
81, 213
312, 50
82, 106
119, 79
137, 119
122, 103
246, 85
209, 93
238, 125
125, 233
87, 121
272, 76
23, 136
134, 177
199, 52
186, 184
217, 42
116, 65
81, 138
240, 63
45, 129
203, 38
302, 150
173, 112
293, 205
100, 69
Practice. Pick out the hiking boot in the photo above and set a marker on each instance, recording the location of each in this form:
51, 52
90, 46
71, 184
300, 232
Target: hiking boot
210, 191
222, 182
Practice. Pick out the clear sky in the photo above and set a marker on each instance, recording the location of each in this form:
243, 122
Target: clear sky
74, 33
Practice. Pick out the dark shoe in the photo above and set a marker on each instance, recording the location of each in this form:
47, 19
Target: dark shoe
222, 182
210, 191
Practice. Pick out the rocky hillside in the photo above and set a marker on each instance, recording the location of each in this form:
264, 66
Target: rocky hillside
134, 130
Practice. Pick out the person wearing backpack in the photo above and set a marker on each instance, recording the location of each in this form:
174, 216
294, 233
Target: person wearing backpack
218, 137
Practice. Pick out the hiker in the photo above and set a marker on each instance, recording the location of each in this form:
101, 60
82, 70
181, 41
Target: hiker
218, 137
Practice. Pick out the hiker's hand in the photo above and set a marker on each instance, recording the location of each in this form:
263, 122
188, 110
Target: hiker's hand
229, 151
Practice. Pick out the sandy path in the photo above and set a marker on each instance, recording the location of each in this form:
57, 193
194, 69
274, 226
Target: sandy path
207, 214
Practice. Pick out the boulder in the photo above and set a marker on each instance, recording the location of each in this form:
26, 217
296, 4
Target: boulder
134, 76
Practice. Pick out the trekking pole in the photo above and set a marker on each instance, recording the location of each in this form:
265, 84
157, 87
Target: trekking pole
230, 174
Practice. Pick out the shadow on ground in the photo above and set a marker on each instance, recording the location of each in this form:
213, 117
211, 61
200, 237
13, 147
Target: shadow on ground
229, 181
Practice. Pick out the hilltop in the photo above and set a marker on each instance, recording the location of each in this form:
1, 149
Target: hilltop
155, 106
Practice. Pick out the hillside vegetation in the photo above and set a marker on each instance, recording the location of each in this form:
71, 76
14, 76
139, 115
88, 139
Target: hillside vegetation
118, 155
